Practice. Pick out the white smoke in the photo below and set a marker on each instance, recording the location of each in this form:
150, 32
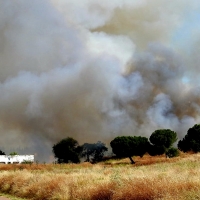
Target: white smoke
94, 70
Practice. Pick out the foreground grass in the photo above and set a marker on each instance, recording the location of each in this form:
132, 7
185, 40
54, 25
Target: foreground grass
10, 197
151, 178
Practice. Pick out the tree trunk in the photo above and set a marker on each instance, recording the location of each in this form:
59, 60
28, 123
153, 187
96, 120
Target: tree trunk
88, 158
132, 161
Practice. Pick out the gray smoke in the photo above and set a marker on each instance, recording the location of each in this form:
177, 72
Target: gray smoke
95, 70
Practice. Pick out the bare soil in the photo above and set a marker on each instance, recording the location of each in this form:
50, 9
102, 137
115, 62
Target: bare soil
4, 198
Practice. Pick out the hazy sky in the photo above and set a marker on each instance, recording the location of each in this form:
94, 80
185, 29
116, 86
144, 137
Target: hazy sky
93, 70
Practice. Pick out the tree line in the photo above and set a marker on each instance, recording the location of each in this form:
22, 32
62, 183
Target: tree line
160, 142
11, 154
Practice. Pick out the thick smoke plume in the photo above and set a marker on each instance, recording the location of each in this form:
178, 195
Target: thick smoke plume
93, 70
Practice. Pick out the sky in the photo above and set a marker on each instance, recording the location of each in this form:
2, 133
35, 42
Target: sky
94, 70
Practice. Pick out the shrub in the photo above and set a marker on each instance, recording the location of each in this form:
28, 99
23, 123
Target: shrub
172, 152
13, 153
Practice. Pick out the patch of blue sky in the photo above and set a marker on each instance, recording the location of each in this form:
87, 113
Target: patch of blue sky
184, 35
185, 79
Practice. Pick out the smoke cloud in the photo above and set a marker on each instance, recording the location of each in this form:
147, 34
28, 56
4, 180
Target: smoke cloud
96, 70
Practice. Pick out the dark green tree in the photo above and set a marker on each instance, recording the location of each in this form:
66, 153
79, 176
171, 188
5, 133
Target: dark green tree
155, 150
191, 141
94, 152
87, 151
161, 140
128, 146
67, 150
2, 153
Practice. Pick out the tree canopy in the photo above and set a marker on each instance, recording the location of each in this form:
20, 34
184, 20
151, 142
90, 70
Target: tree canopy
191, 141
161, 140
128, 146
2, 153
94, 152
67, 150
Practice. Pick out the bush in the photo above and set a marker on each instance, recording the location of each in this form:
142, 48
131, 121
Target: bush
172, 152
13, 153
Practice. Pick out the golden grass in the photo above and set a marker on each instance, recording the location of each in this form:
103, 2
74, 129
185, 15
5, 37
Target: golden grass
10, 197
151, 178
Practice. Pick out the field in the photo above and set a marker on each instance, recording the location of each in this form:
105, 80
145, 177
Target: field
150, 178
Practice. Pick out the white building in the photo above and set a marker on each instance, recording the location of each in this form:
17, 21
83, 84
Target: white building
16, 159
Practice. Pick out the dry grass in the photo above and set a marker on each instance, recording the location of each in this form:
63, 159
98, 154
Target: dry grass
10, 197
151, 178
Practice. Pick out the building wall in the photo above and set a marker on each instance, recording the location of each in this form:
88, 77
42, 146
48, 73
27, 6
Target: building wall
16, 158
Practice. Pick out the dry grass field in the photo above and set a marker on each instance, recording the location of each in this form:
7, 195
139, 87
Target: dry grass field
150, 178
